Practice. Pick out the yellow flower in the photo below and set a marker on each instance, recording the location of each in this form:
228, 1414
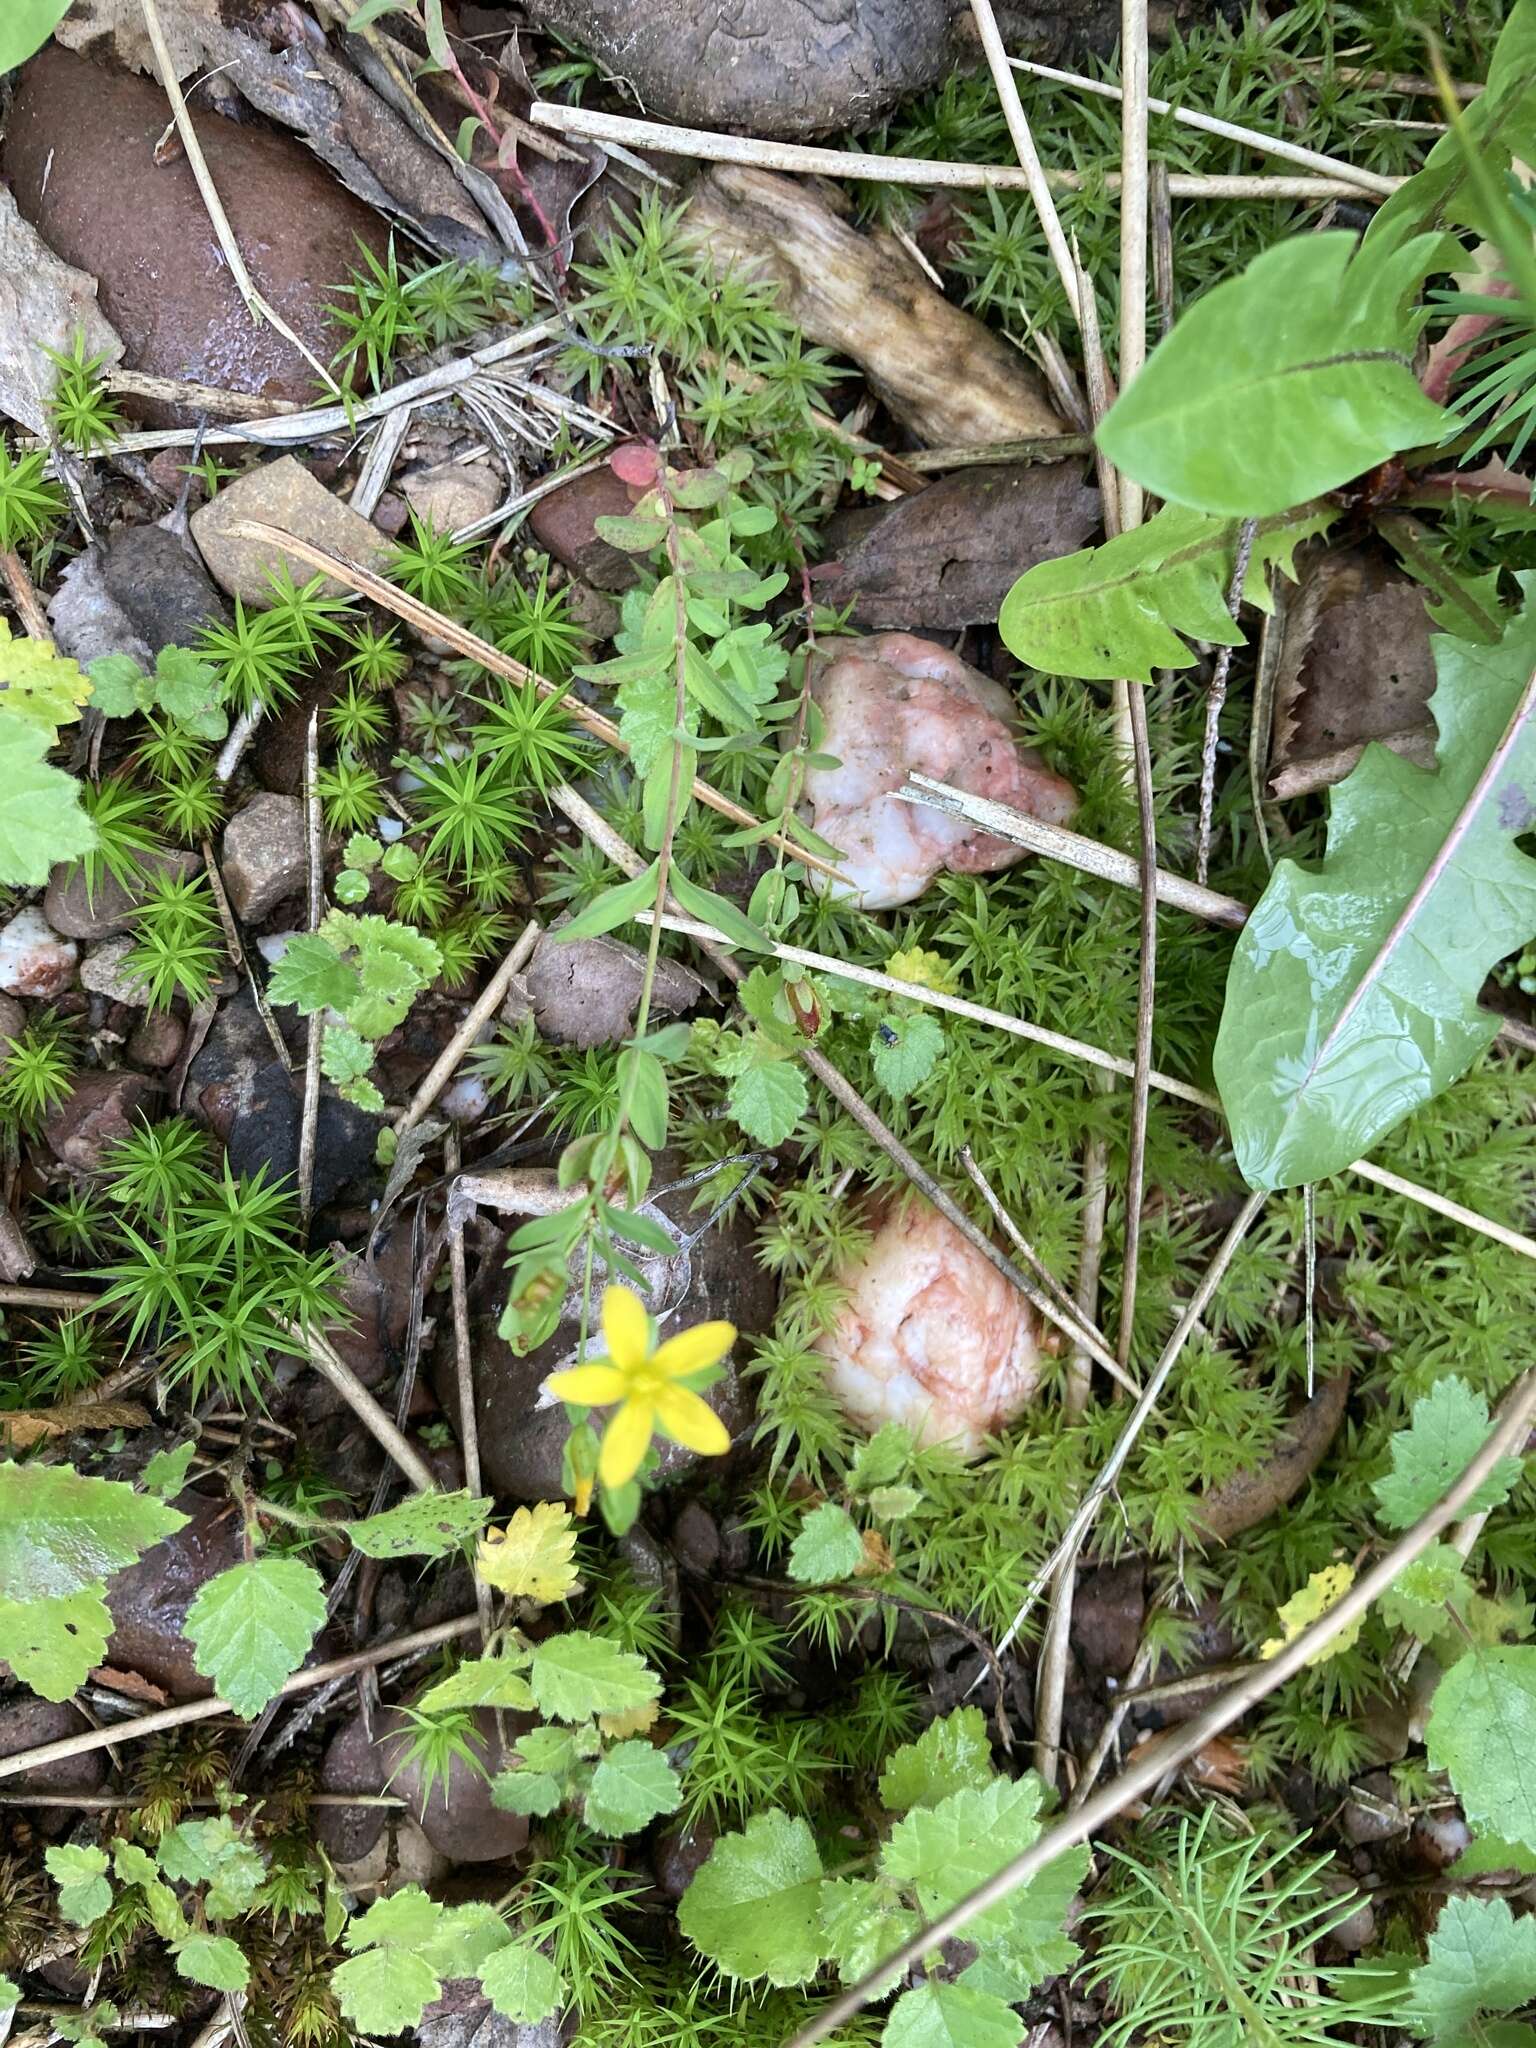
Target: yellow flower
644, 1383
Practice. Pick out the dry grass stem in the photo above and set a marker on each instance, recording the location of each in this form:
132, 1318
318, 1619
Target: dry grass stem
475, 1018
331, 1366
314, 1037
1268, 145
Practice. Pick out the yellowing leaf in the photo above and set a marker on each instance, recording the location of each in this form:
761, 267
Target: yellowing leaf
40, 684
533, 1558
917, 964
632, 1721
1323, 1590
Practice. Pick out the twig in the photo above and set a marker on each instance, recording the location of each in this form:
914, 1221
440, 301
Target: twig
331, 1366
1215, 701
484, 1007
1089, 1260
24, 595
1048, 448
1024, 1248
1153, 1762
206, 398
1024, 149
237, 954
1164, 284
207, 1710
1104, 1741
464, 1370
314, 864
66, 1298
439, 626
240, 276
710, 146
1051, 1672
1268, 145
1104, 1481
239, 739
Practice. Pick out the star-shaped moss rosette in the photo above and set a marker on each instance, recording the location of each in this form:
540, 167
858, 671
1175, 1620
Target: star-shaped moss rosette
646, 1384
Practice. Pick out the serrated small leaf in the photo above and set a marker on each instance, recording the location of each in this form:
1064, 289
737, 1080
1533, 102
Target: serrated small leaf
54, 1645
212, 1959
827, 1547
632, 1784
480, 1682
345, 1058
214, 1853
905, 1051
79, 1870
384, 1990
313, 976
951, 1755
1481, 1960
425, 1525
1482, 1729
862, 1922
522, 1984
576, 1675
39, 684
166, 1472
60, 1532
1448, 1427
753, 1908
533, 1557
252, 1626
41, 817
1419, 1597
938, 2015
768, 1100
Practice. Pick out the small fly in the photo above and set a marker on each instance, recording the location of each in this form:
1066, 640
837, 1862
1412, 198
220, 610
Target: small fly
887, 1035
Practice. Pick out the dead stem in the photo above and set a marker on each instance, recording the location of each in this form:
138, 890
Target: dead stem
314, 860
712, 146
207, 1710
1215, 701
464, 1369
381, 1427
479, 1014
1024, 1248
24, 595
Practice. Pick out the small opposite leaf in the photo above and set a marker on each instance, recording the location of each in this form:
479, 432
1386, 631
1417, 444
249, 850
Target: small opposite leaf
1352, 996
251, 1628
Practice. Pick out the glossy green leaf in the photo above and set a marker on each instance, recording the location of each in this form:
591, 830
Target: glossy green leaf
1119, 609
576, 1673
937, 2015
950, 1755
753, 1908
54, 1645
615, 906
25, 26
60, 1532
1352, 996
1285, 382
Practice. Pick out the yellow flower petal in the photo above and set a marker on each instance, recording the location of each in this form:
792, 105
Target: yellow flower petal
624, 1444
595, 1384
688, 1420
691, 1350
626, 1328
